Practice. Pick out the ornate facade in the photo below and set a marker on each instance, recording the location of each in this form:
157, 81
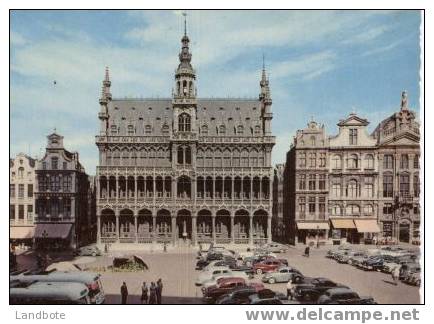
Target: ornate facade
355, 186
63, 206
21, 199
197, 169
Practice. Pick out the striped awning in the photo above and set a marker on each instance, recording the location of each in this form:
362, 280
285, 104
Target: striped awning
343, 223
367, 226
53, 230
312, 226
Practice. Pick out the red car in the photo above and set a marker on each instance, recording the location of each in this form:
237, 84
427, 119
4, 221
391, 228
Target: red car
224, 286
267, 265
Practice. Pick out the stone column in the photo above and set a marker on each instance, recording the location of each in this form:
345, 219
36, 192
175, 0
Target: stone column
108, 188
117, 188
154, 228
213, 229
194, 230
154, 192
232, 189
260, 190
117, 226
135, 229
135, 189
174, 230
269, 228
98, 229
232, 229
250, 229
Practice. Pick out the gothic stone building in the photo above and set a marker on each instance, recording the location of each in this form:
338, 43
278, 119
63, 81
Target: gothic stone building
21, 199
196, 169
355, 186
63, 218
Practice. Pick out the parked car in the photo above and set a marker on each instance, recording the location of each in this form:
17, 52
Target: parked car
223, 286
332, 252
266, 266
347, 256
376, 262
310, 291
407, 269
275, 247
413, 279
90, 250
239, 296
343, 296
266, 297
211, 274
282, 274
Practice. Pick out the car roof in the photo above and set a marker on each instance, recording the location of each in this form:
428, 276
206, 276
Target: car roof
230, 279
338, 291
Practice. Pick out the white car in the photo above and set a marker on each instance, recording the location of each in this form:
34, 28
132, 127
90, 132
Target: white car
214, 264
231, 274
207, 275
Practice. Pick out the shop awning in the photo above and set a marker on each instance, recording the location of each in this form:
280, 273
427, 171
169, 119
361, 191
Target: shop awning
22, 232
343, 223
367, 225
312, 226
60, 230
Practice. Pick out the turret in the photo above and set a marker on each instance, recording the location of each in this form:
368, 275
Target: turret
265, 97
105, 98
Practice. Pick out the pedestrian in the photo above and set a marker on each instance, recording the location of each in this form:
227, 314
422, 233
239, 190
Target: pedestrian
124, 293
395, 275
289, 289
165, 247
144, 297
159, 290
307, 251
152, 293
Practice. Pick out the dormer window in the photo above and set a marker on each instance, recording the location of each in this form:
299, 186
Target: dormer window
184, 123
353, 136
257, 130
54, 163
113, 129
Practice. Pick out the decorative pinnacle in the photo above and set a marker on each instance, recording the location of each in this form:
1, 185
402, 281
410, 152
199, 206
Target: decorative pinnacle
185, 22
107, 76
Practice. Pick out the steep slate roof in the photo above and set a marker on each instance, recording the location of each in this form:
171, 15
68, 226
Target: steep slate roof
212, 112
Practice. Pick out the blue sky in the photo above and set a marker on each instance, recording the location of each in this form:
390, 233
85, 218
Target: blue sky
322, 64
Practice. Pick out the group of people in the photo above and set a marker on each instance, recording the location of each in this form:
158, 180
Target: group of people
150, 294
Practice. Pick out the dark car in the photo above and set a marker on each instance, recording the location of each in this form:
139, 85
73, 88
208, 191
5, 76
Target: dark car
376, 262
266, 297
344, 296
312, 289
407, 269
239, 296
202, 263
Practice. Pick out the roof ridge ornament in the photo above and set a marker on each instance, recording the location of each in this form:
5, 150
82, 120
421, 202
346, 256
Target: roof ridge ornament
404, 100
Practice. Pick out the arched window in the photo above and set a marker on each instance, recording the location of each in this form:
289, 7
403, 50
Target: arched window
368, 209
180, 155
130, 130
165, 129
240, 130
352, 189
336, 162
21, 172
353, 210
257, 130
404, 161
184, 87
369, 161
204, 130
353, 161
312, 140
113, 129
188, 155
222, 130
148, 129
184, 123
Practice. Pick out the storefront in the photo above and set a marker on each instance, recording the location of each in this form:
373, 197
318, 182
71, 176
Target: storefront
312, 233
368, 230
22, 235
343, 231
54, 236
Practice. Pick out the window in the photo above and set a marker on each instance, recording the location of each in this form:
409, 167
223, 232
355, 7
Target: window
368, 209
55, 183
312, 205
302, 204
130, 130
302, 160
113, 129
29, 211
404, 184
336, 189
416, 210
352, 209
321, 205
404, 161
21, 191
148, 129
257, 130
11, 211
12, 191
336, 210
184, 123
388, 162
387, 185
165, 129
416, 162
54, 163
30, 190
312, 140
322, 182
21, 212
21, 172
322, 160
188, 155
352, 189
312, 182
67, 183
353, 136
416, 185
336, 162
44, 165
369, 160
240, 130
312, 160
222, 130
369, 186
353, 161
302, 182
387, 209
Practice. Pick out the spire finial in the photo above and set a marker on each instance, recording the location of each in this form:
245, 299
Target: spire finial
404, 100
185, 22
263, 61
107, 74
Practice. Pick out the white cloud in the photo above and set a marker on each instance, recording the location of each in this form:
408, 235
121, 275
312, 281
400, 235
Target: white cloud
367, 35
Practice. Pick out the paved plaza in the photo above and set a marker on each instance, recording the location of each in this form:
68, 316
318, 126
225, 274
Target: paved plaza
177, 270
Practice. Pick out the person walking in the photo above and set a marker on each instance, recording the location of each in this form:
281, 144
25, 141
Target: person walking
144, 297
307, 251
124, 293
289, 289
159, 290
152, 293
395, 275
